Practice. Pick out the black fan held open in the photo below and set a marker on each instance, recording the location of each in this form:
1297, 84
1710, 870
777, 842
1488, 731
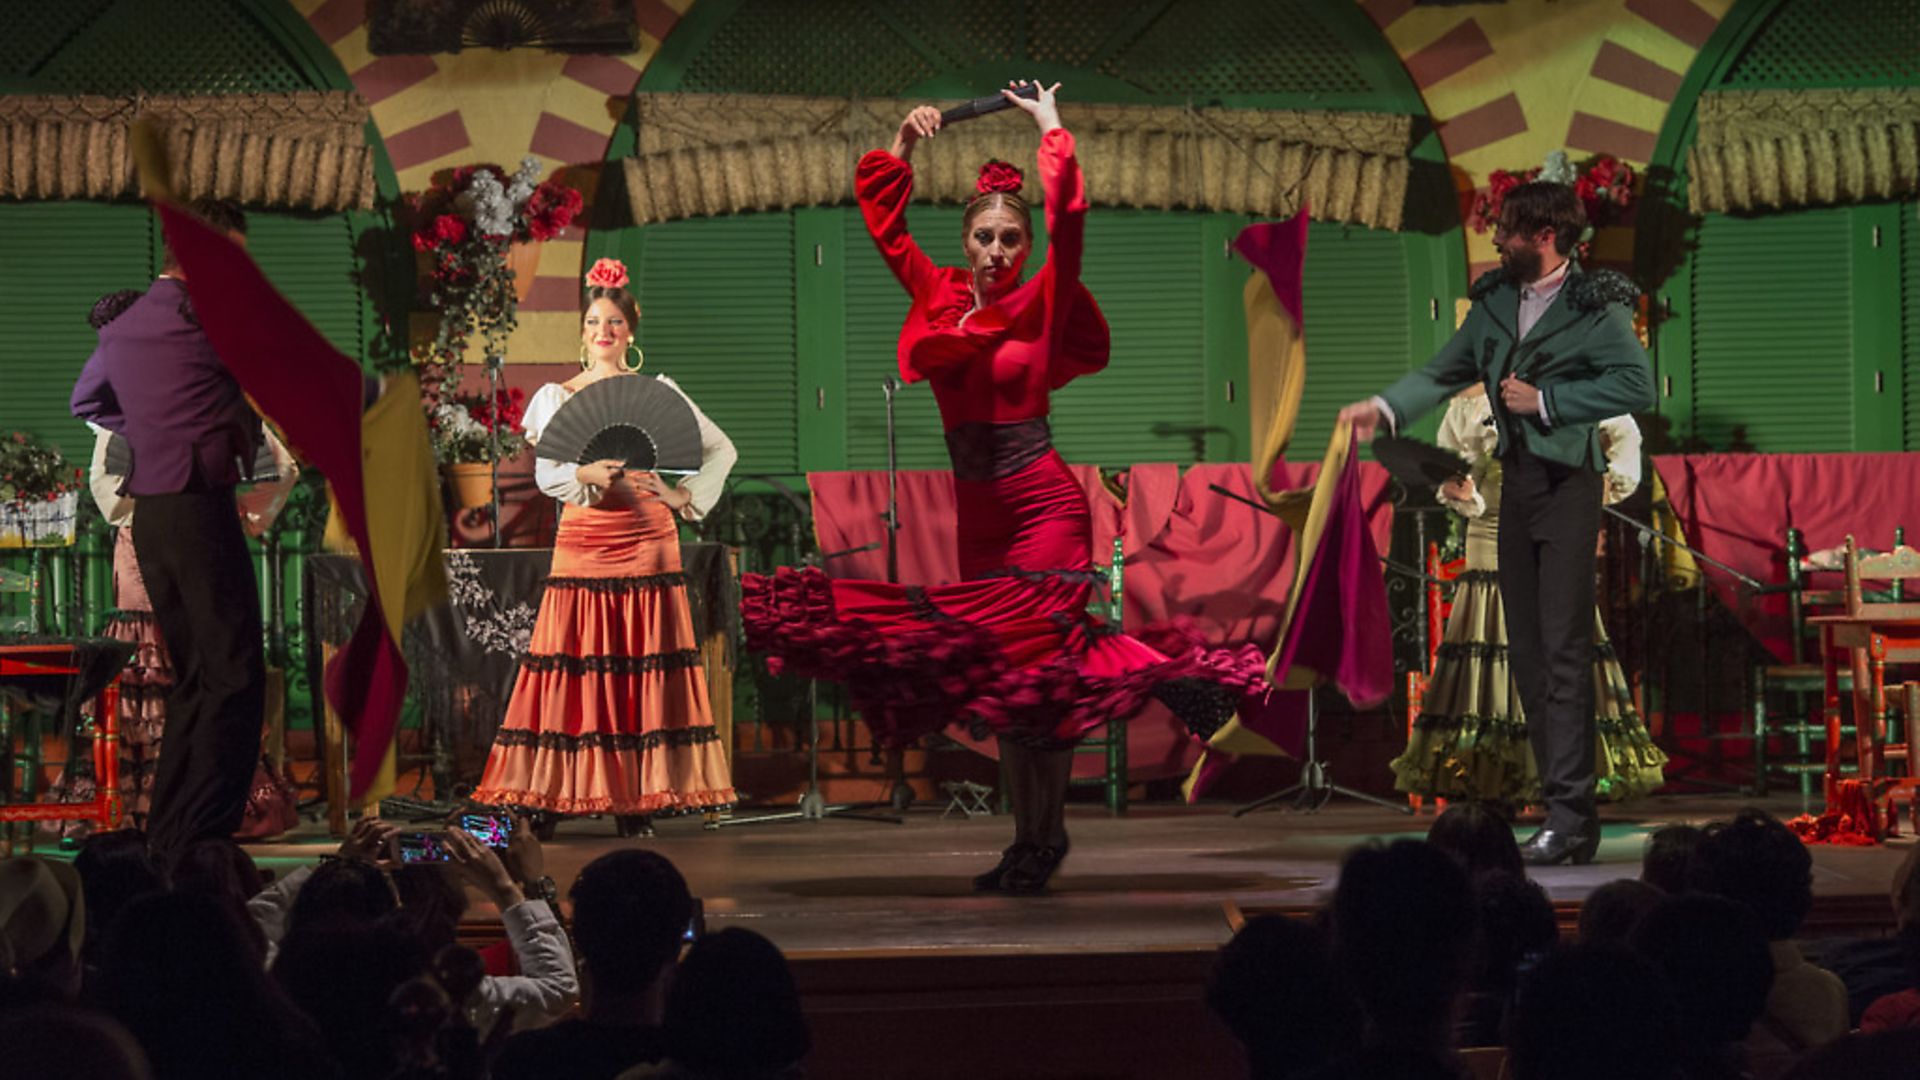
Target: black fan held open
1417, 464
636, 420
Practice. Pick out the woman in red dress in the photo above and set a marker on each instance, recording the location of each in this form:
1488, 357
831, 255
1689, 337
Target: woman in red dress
1012, 648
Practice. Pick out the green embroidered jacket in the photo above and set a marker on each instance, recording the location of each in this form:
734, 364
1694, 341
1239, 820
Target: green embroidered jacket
1582, 355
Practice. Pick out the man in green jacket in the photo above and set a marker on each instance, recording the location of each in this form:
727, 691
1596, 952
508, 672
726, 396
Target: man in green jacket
1555, 347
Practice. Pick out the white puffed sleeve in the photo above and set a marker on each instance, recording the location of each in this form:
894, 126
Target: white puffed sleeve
105, 486
559, 479
1620, 440
1464, 431
717, 457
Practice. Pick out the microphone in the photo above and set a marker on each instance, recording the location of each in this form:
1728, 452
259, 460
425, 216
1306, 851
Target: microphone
967, 110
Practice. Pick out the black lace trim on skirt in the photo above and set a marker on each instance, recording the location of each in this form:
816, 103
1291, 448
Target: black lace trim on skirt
678, 660
617, 741
619, 584
1092, 574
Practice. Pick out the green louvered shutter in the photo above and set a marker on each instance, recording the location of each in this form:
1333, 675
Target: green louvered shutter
311, 260
876, 306
1355, 296
1772, 319
717, 314
61, 257
1910, 318
1148, 405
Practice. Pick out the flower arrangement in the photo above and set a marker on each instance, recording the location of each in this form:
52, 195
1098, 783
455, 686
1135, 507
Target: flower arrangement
464, 225
462, 426
32, 471
39, 493
1604, 185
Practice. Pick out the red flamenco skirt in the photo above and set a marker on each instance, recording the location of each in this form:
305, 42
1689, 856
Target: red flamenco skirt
610, 712
1011, 651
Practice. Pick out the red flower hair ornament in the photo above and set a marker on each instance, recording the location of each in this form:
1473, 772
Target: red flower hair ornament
608, 274
999, 178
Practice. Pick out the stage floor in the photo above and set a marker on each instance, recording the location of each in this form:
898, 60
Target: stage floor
1162, 878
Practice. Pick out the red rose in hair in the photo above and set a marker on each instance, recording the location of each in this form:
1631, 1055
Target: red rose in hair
998, 176
607, 274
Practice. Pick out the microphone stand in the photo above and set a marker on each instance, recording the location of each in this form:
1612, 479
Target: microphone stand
1315, 788
493, 440
890, 387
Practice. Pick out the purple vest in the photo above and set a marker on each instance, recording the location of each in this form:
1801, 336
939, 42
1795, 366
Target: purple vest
156, 380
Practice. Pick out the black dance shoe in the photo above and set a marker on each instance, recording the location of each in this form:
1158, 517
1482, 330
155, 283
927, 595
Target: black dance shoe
1010, 858
1550, 847
543, 823
1030, 875
630, 825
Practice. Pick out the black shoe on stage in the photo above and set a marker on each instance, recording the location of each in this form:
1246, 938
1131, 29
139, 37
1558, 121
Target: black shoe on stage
1030, 875
1550, 847
543, 822
990, 881
631, 825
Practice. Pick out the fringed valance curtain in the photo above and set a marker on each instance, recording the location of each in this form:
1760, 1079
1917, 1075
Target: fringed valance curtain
1773, 149
305, 150
702, 154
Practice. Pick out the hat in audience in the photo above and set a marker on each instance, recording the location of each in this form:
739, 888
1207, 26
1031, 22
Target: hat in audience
41, 911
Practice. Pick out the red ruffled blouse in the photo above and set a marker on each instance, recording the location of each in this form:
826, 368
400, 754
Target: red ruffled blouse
1001, 364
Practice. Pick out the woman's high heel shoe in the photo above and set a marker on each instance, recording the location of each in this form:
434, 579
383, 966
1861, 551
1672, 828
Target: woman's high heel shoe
991, 880
1030, 875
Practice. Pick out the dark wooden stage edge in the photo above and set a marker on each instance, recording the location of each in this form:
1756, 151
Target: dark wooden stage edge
905, 971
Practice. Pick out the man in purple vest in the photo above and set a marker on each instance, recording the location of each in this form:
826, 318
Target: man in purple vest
156, 380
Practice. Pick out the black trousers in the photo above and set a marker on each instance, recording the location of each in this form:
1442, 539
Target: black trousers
1549, 523
205, 600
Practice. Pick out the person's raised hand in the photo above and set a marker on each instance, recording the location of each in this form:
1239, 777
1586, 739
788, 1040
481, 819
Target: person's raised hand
476, 862
1365, 418
368, 840
921, 122
1044, 110
1459, 489
526, 858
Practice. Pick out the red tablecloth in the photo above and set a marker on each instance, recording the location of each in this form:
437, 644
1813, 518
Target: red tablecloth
1737, 508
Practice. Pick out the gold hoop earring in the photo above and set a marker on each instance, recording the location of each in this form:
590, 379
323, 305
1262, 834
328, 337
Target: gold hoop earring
586, 364
639, 358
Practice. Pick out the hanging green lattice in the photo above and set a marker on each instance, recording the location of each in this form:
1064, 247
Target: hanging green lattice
1170, 50
1207, 51
1823, 43
825, 48
175, 47
35, 32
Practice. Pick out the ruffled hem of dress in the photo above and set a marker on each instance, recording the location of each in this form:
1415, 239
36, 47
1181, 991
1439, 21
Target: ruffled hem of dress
913, 681
662, 804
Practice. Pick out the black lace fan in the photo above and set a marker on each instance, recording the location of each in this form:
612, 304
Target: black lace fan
637, 420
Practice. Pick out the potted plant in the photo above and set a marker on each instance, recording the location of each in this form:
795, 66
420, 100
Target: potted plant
1603, 183
472, 227
470, 434
39, 494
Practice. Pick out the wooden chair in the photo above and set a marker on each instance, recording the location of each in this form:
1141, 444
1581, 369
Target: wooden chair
1890, 638
1112, 780
1440, 578
1800, 679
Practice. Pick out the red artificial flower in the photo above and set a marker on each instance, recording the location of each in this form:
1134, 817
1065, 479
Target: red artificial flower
608, 274
999, 176
551, 208
450, 229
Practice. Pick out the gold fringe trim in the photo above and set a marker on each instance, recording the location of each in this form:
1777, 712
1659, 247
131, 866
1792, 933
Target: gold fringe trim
305, 150
1772, 149
708, 154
